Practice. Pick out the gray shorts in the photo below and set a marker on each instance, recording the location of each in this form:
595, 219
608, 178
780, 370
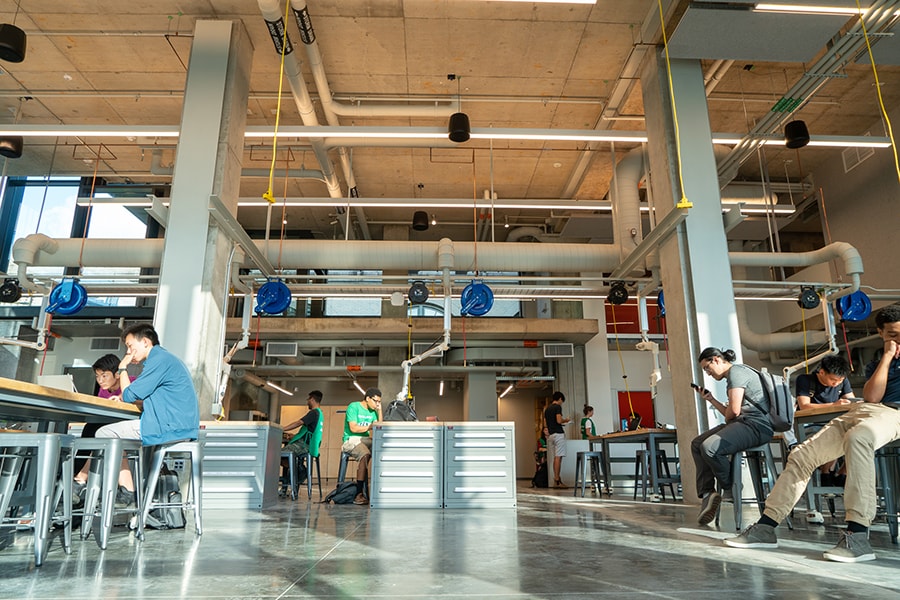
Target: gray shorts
557, 441
127, 430
357, 447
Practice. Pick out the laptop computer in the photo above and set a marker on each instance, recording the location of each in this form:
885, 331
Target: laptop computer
59, 382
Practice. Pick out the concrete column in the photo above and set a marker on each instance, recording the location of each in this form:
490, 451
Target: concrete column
696, 274
192, 284
480, 397
596, 353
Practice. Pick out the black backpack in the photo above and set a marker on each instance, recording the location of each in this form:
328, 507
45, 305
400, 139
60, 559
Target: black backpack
167, 491
400, 410
344, 493
541, 477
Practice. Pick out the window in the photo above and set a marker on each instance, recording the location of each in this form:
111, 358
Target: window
353, 307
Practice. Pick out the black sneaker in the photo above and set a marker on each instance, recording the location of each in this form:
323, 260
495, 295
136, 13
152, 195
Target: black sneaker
78, 489
708, 507
124, 498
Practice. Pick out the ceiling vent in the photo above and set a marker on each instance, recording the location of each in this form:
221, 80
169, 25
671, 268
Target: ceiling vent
420, 347
853, 157
559, 350
105, 344
281, 349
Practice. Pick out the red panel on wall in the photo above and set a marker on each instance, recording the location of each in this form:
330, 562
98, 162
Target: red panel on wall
642, 402
626, 318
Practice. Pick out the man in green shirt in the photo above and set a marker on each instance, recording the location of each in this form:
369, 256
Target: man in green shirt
360, 418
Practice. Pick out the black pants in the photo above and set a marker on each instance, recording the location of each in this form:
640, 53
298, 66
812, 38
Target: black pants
713, 450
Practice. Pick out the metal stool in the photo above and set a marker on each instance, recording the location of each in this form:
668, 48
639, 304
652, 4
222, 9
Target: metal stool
342, 474
294, 470
887, 463
755, 459
185, 449
47, 460
642, 473
102, 483
594, 459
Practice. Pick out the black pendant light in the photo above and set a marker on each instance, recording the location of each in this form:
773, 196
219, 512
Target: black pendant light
11, 146
12, 43
420, 220
796, 135
458, 128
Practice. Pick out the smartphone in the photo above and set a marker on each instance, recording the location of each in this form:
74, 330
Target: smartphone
697, 387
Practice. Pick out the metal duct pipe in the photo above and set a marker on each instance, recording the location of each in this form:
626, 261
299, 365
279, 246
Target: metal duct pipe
520, 233
271, 12
834, 251
331, 254
626, 207
329, 104
771, 342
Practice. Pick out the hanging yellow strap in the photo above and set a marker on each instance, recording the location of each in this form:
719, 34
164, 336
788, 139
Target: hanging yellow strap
269, 195
684, 202
887, 120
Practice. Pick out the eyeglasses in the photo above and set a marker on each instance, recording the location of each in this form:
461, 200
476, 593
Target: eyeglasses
706, 367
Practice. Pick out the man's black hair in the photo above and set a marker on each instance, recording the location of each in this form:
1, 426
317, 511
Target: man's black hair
373, 392
317, 395
888, 314
142, 331
836, 365
107, 362
559, 396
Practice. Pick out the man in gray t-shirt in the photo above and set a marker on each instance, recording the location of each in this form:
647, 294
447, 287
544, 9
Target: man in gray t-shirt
745, 426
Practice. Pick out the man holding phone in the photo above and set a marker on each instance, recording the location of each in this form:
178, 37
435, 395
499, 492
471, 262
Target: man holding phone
358, 423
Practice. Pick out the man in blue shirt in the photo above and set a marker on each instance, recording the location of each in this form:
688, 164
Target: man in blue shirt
864, 428
169, 412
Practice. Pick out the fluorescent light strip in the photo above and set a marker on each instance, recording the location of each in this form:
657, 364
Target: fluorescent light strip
359, 387
507, 390
825, 141
804, 9
411, 133
279, 388
441, 388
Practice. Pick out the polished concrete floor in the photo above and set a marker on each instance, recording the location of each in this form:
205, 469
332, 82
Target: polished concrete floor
551, 546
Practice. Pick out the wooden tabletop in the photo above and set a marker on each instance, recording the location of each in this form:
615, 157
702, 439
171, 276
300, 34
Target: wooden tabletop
24, 401
823, 409
630, 434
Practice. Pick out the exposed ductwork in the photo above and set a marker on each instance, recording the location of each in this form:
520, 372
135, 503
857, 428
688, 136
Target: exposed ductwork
271, 12
626, 202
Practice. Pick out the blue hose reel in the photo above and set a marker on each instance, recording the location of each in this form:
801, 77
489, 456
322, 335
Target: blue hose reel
661, 303
272, 297
67, 298
854, 307
476, 300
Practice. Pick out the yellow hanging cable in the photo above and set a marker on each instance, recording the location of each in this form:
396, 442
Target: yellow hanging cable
269, 195
409, 328
884, 113
684, 202
621, 360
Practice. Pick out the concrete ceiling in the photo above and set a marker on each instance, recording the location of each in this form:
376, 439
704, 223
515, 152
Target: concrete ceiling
521, 65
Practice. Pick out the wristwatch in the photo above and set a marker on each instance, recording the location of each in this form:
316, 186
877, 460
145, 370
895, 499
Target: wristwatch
120, 371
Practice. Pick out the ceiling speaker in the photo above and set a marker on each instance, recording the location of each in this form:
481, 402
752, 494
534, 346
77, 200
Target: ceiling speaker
11, 147
459, 127
420, 220
796, 135
12, 43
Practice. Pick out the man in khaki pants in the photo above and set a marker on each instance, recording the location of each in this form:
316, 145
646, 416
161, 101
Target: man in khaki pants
360, 418
856, 435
